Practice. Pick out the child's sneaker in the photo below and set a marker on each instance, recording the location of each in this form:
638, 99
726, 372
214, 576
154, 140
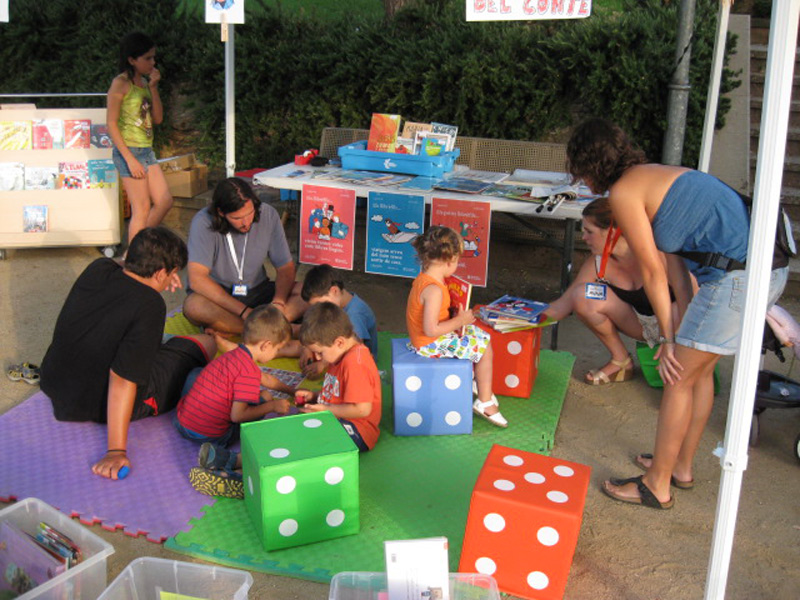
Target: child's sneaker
212, 456
217, 482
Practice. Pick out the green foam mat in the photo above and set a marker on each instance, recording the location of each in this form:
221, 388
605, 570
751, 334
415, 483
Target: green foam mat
411, 487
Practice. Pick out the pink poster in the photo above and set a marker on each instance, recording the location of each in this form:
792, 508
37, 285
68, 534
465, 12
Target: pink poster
327, 226
472, 219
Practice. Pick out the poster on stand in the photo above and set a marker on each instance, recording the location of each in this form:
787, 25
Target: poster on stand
393, 221
327, 226
229, 12
472, 219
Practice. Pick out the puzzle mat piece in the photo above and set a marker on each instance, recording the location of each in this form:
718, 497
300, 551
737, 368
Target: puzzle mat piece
427, 493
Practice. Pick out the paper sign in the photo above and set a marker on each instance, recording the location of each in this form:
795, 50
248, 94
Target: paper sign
230, 12
393, 221
327, 226
527, 10
472, 219
3, 11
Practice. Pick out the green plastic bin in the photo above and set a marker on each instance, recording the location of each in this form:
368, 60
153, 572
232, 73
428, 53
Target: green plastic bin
649, 365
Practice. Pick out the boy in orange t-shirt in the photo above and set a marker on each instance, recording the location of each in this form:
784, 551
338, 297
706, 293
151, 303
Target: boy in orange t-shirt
351, 389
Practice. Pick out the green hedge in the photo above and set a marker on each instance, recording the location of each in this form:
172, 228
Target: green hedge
296, 74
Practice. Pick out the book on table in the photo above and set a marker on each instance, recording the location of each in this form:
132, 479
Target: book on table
383, 130
460, 293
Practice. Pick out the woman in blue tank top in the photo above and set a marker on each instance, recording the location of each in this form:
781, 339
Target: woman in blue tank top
670, 209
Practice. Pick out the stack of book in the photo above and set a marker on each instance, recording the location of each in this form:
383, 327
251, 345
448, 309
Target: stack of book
510, 313
431, 139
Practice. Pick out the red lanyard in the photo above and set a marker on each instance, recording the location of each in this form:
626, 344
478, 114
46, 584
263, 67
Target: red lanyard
611, 241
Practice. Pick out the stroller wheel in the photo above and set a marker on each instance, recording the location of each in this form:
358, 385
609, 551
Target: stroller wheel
754, 430
797, 448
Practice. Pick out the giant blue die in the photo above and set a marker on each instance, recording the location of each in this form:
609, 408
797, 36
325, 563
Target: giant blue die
300, 478
432, 396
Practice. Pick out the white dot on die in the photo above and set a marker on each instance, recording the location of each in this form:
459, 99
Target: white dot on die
286, 484
512, 460
414, 419
557, 497
536, 478
453, 418
538, 580
279, 452
287, 527
250, 484
312, 423
494, 522
485, 565
512, 380
564, 471
413, 383
547, 536
334, 475
452, 382
335, 518
504, 485
514, 347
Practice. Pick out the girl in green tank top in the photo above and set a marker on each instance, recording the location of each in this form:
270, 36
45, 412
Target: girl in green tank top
134, 107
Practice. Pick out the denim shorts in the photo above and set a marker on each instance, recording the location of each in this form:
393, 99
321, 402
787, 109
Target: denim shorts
145, 156
713, 321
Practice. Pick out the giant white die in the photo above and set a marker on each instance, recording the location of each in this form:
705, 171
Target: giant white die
432, 396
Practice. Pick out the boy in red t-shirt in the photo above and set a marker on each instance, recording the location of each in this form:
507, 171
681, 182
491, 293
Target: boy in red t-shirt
351, 389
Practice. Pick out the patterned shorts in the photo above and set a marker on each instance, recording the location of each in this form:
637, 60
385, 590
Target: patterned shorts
471, 346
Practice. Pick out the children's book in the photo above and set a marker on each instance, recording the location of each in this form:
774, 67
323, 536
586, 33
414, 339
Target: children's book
73, 176
460, 293
102, 173
383, 132
410, 128
77, 133
15, 135
12, 176
421, 182
427, 143
417, 569
99, 136
40, 178
404, 145
488, 176
463, 185
24, 563
449, 130
35, 219
48, 134
513, 308
512, 192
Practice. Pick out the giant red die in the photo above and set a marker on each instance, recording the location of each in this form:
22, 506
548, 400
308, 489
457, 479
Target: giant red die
516, 360
524, 519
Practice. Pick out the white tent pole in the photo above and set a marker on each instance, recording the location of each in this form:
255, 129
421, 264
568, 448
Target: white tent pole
230, 105
713, 85
769, 171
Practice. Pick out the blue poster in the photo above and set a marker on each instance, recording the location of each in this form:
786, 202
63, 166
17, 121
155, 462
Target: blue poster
393, 221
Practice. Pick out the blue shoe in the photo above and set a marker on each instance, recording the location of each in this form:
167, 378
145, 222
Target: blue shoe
214, 457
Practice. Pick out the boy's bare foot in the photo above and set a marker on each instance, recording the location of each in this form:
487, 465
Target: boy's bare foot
223, 343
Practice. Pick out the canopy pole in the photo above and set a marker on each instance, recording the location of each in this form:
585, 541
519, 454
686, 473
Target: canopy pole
230, 105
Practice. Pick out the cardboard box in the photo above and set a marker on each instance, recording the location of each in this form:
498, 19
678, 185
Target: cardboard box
185, 176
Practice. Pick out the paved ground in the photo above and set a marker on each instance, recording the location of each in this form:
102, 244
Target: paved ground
623, 552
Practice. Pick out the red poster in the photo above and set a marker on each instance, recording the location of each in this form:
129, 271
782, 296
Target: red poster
327, 226
472, 219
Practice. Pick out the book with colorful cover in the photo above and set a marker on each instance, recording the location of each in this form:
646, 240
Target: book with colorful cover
513, 307
410, 129
24, 563
40, 178
102, 173
450, 130
427, 143
15, 135
77, 133
48, 134
462, 185
99, 137
73, 176
404, 145
383, 132
35, 218
460, 294
12, 176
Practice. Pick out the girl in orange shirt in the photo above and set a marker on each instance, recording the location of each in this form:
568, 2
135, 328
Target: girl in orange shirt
434, 333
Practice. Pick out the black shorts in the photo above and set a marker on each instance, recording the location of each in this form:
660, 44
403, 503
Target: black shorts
173, 363
263, 293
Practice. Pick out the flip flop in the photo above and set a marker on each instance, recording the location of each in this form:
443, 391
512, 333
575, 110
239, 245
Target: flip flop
27, 372
681, 485
217, 482
646, 497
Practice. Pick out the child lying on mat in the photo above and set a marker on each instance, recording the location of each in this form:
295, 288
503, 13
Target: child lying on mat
228, 392
351, 389
433, 333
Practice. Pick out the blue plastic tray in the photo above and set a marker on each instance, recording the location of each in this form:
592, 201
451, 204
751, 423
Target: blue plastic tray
356, 156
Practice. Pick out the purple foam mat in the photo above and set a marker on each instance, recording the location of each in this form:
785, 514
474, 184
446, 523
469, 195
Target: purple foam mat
52, 461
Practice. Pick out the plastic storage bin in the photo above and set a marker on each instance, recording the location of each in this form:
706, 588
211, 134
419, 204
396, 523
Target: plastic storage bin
356, 156
649, 365
84, 581
146, 578
352, 585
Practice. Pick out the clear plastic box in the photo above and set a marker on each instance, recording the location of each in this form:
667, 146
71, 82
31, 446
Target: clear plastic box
84, 581
353, 585
146, 578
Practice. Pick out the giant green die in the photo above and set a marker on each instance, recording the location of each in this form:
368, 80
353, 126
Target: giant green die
300, 479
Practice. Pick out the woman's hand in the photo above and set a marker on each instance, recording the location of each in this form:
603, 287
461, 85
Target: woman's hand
668, 366
136, 168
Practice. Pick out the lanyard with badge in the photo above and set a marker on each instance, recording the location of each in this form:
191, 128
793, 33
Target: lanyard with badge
598, 289
239, 289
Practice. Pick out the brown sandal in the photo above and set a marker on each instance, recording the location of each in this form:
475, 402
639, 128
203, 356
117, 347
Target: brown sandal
598, 376
681, 485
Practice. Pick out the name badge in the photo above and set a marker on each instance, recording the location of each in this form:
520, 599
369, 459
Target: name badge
240, 289
596, 291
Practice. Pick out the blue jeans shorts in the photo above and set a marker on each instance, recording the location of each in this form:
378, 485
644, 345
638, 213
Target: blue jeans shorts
713, 321
145, 156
